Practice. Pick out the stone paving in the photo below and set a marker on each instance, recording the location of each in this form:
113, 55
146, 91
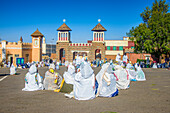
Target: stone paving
150, 96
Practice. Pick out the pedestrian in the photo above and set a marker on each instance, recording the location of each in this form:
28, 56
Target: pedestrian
125, 58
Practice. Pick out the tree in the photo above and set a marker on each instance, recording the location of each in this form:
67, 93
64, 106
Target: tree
153, 35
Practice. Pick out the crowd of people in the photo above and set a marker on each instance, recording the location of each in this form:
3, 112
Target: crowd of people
80, 82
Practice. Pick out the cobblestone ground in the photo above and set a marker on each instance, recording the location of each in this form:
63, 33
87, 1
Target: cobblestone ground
151, 96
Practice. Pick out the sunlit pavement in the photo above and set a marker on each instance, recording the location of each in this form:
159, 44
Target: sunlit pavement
150, 96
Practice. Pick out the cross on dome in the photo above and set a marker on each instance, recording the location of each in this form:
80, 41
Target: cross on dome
64, 20
99, 20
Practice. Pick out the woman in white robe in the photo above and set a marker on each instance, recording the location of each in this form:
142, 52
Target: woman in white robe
140, 76
118, 57
125, 58
78, 61
66, 63
52, 80
131, 71
57, 66
84, 85
12, 70
33, 80
106, 82
154, 65
70, 74
122, 75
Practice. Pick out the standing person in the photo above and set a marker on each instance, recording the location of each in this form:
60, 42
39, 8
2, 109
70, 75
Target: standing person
33, 80
166, 62
12, 70
148, 62
57, 66
125, 58
78, 61
118, 57
163, 62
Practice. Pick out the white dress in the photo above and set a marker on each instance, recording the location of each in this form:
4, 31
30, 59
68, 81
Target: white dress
125, 58
69, 75
140, 76
12, 70
131, 71
118, 58
123, 81
84, 83
106, 82
33, 80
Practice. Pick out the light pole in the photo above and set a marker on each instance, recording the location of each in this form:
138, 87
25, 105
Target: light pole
51, 45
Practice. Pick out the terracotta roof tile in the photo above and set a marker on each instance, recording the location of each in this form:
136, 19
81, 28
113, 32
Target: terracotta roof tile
99, 27
37, 33
64, 27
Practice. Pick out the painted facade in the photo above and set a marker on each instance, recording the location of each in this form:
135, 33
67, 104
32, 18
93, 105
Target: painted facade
9, 51
65, 50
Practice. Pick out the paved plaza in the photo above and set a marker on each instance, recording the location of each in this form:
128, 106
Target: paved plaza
150, 96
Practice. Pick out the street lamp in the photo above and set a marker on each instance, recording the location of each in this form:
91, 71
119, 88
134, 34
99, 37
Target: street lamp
52, 44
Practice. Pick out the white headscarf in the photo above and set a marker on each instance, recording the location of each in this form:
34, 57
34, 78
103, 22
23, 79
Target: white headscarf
33, 69
71, 69
118, 57
109, 69
86, 70
52, 66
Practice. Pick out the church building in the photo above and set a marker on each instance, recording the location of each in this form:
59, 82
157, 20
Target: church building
96, 48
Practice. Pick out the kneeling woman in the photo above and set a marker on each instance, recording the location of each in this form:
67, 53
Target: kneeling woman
52, 80
84, 85
106, 82
33, 80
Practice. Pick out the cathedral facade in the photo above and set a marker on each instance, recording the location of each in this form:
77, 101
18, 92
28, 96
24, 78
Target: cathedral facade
97, 48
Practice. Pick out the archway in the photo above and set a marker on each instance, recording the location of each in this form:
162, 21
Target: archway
62, 55
97, 54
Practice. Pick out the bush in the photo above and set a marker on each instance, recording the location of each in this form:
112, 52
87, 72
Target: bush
140, 60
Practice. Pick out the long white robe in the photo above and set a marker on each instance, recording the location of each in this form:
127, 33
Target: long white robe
78, 60
131, 71
125, 58
106, 82
140, 76
154, 65
118, 58
84, 83
33, 80
66, 63
123, 78
69, 75
12, 70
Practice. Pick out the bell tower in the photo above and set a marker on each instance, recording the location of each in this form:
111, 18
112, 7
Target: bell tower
98, 49
62, 45
63, 33
37, 46
98, 32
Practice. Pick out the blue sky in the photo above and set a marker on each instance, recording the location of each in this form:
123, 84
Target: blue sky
22, 17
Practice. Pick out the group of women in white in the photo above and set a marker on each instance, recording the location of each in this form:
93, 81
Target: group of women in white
85, 85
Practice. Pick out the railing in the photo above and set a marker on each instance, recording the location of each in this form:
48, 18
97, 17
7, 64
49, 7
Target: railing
80, 44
